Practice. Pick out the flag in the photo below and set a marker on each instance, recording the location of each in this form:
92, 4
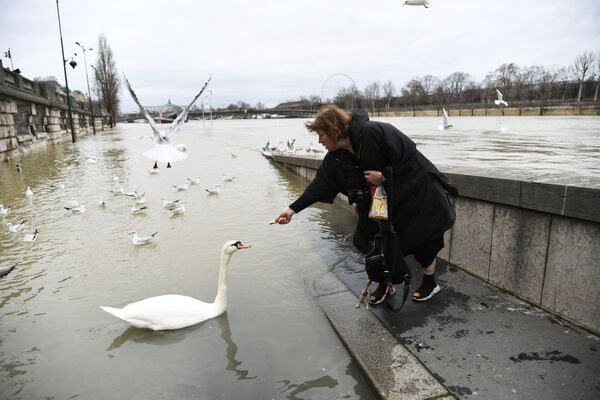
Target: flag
7, 54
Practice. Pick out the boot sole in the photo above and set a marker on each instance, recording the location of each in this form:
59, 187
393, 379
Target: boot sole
435, 290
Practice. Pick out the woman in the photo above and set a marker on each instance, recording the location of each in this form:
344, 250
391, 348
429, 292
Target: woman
362, 153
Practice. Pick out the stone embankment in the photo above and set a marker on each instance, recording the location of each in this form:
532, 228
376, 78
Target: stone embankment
35, 113
536, 240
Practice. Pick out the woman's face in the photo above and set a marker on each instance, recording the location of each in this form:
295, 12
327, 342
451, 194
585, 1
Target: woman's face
326, 141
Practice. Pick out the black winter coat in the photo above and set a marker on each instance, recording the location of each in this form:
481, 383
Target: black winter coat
417, 191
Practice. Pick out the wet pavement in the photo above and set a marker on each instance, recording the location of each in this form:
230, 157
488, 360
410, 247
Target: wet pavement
483, 343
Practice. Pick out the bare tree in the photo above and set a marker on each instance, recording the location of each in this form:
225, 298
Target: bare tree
106, 79
505, 77
455, 84
582, 65
597, 76
388, 93
348, 97
372, 94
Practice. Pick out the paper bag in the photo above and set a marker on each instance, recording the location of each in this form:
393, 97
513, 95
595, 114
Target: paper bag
379, 205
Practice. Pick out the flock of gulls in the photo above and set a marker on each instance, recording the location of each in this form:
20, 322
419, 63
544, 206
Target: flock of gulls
289, 148
160, 312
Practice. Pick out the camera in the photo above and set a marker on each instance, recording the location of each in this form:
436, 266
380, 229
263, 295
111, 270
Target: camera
359, 196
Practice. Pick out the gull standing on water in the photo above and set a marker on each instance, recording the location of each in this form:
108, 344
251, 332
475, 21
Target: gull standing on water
163, 150
214, 190
80, 209
14, 228
499, 100
169, 203
4, 210
30, 236
181, 187
29, 192
138, 240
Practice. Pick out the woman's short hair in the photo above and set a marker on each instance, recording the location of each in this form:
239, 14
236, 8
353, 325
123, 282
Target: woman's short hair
332, 121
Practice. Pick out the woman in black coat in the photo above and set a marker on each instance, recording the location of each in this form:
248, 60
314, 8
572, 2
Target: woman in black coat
362, 153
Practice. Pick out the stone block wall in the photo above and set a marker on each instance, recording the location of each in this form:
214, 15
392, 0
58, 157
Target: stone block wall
539, 241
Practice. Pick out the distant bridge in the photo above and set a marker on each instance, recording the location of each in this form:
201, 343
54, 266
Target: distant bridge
235, 114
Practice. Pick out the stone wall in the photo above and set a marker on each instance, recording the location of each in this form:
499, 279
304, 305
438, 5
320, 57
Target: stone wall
587, 109
35, 114
537, 240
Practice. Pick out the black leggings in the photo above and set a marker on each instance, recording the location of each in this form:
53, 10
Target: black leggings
426, 252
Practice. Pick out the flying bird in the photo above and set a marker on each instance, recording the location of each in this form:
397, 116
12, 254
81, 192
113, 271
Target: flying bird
445, 122
424, 3
499, 101
164, 150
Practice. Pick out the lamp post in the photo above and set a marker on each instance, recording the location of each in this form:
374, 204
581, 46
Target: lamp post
73, 64
88, 84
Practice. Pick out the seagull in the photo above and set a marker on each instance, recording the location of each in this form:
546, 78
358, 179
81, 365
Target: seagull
215, 190
101, 202
29, 192
163, 150
128, 194
179, 188
194, 181
19, 169
6, 269
80, 209
139, 198
4, 210
170, 203
445, 123
290, 145
138, 210
228, 178
181, 147
30, 236
137, 240
179, 209
424, 3
115, 178
58, 186
154, 171
14, 228
499, 101
233, 155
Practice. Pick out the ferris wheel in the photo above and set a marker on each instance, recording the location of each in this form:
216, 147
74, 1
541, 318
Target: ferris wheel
334, 84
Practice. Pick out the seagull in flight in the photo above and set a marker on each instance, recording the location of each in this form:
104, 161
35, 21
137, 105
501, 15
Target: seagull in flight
138, 240
499, 101
445, 123
424, 3
164, 150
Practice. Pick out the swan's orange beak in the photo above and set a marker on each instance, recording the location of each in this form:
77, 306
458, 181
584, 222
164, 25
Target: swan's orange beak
243, 246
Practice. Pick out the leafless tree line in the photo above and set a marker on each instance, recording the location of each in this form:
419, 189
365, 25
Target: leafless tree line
535, 85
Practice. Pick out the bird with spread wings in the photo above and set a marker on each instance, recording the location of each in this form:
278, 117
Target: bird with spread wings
164, 150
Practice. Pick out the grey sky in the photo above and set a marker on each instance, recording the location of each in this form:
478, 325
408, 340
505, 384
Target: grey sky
273, 51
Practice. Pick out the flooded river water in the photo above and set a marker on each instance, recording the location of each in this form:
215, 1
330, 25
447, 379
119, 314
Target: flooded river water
273, 342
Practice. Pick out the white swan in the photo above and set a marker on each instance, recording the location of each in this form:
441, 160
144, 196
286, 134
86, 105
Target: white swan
164, 150
174, 311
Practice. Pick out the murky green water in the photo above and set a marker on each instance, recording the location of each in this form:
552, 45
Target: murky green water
273, 341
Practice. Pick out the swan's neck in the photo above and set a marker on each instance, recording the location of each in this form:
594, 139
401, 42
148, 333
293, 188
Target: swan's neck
221, 297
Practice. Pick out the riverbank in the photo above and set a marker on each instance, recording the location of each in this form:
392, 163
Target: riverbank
523, 111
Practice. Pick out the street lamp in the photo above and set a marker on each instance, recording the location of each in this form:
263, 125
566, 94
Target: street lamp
73, 64
88, 83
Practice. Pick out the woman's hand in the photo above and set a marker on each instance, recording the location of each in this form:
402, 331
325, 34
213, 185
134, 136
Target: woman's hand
284, 217
374, 177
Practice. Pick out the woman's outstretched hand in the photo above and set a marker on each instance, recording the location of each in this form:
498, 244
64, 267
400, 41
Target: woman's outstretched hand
283, 217
374, 177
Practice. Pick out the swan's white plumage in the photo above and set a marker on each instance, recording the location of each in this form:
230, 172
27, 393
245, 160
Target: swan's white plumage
174, 311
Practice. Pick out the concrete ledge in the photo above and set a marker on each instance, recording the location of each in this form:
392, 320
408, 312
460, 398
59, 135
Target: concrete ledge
539, 240
393, 371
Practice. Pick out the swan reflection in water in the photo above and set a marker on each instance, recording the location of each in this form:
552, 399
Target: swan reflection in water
160, 338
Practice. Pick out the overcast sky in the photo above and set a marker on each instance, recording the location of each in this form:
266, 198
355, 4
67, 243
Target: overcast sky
273, 51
